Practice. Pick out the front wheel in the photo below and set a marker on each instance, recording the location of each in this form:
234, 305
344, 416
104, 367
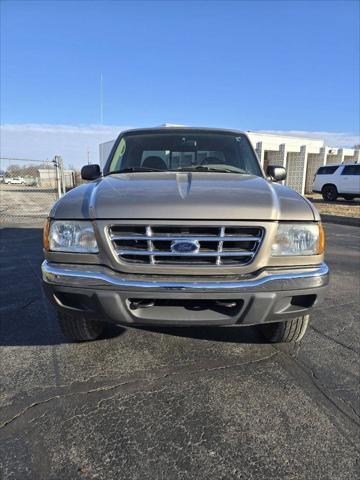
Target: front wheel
78, 328
290, 331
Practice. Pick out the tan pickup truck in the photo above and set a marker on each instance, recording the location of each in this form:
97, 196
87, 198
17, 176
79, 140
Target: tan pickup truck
183, 227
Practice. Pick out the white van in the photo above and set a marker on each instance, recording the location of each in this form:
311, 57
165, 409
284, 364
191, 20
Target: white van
334, 181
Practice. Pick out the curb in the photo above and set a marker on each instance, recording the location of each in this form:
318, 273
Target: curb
350, 221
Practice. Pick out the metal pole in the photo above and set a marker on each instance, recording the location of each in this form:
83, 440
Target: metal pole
56, 164
61, 162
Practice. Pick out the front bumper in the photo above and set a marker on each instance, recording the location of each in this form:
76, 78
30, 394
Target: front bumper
270, 295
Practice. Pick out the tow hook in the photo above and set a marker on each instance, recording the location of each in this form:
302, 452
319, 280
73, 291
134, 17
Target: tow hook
143, 303
226, 303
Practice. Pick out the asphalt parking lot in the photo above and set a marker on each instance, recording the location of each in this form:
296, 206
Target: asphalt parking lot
181, 403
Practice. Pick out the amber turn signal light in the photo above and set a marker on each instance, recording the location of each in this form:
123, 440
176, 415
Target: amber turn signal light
321, 248
46, 234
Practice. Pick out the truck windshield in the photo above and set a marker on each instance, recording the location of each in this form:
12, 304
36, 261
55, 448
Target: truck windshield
187, 151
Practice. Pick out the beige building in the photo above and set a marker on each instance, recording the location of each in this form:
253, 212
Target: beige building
300, 156
48, 178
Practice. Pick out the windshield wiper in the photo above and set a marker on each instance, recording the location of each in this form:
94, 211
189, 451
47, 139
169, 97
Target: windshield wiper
137, 169
204, 168
199, 168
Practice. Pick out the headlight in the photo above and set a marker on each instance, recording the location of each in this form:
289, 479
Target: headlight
72, 236
298, 239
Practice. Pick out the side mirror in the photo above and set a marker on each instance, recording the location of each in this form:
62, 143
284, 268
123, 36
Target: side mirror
90, 172
276, 173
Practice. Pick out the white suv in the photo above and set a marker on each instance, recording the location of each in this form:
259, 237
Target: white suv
334, 181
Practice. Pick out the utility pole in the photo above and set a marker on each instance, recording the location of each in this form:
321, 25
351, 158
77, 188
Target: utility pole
101, 133
101, 100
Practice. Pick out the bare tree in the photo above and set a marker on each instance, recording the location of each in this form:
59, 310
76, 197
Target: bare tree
16, 170
13, 170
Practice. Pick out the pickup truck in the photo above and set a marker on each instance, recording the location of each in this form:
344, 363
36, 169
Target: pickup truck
183, 227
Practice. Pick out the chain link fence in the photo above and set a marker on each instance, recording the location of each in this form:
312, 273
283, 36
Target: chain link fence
29, 188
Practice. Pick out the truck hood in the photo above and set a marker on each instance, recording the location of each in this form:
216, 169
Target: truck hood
184, 195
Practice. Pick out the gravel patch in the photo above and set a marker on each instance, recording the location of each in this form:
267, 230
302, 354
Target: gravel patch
341, 207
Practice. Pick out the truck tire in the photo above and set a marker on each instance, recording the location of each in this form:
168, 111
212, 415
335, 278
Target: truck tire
78, 328
290, 331
329, 193
349, 197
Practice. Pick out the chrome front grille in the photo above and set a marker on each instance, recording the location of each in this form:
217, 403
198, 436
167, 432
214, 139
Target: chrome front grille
158, 244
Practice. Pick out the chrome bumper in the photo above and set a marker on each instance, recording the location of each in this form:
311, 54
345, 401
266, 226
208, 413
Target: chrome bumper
99, 277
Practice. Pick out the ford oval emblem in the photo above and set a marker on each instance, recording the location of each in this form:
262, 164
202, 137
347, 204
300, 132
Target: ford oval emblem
185, 246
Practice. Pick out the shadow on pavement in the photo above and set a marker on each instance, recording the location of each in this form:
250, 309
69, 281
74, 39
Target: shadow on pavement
27, 318
229, 334
339, 201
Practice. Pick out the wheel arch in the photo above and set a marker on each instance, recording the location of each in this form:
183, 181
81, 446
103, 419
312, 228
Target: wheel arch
328, 184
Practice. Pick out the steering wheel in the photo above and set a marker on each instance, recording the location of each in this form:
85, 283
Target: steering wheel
212, 161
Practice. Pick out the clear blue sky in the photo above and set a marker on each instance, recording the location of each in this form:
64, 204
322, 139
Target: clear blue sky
253, 65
